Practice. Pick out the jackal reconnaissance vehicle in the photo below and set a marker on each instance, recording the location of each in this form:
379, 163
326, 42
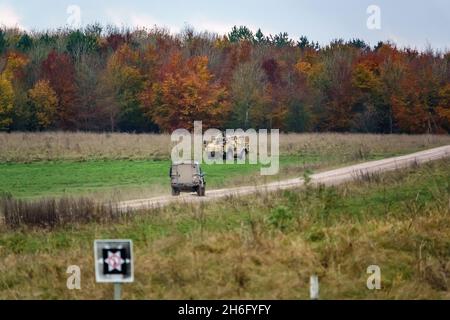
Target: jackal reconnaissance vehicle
228, 147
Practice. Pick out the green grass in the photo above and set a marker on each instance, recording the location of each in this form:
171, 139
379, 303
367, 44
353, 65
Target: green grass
260, 247
134, 178
64, 177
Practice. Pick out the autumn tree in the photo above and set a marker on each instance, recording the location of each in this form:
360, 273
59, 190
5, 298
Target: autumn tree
14, 68
367, 97
296, 98
443, 110
44, 100
114, 40
94, 101
59, 70
247, 96
276, 96
409, 111
337, 89
6, 103
415, 104
125, 76
232, 55
330, 79
392, 69
10, 78
186, 92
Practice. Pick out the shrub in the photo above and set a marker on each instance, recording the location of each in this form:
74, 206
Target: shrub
280, 217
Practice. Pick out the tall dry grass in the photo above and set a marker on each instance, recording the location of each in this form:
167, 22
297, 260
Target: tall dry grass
27, 147
358, 145
52, 213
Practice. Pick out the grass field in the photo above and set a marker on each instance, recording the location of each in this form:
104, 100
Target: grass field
117, 178
264, 246
126, 166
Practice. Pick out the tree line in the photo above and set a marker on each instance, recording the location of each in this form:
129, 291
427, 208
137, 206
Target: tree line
111, 79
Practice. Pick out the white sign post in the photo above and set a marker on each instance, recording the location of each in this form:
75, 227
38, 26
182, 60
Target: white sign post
114, 263
314, 287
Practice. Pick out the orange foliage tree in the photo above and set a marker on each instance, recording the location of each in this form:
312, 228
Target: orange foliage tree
186, 92
411, 107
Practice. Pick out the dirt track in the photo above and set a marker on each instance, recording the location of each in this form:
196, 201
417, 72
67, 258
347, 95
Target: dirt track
332, 177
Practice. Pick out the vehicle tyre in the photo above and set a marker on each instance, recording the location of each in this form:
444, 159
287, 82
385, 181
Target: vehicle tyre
229, 155
201, 191
242, 154
175, 192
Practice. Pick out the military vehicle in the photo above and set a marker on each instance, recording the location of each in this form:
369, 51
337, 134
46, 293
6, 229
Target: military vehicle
187, 176
231, 146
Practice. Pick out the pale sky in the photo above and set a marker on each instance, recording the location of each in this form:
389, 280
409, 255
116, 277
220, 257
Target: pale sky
412, 23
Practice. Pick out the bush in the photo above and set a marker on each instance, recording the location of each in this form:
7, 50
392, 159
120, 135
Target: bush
280, 217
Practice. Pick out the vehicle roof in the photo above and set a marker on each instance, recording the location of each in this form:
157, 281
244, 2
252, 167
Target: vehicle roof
188, 162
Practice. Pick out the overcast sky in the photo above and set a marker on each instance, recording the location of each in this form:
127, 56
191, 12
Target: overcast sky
408, 23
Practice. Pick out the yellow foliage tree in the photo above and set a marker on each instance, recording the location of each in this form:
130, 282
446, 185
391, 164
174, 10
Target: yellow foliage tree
122, 83
6, 103
311, 70
45, 102
303, 67
14, 66
365, 79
